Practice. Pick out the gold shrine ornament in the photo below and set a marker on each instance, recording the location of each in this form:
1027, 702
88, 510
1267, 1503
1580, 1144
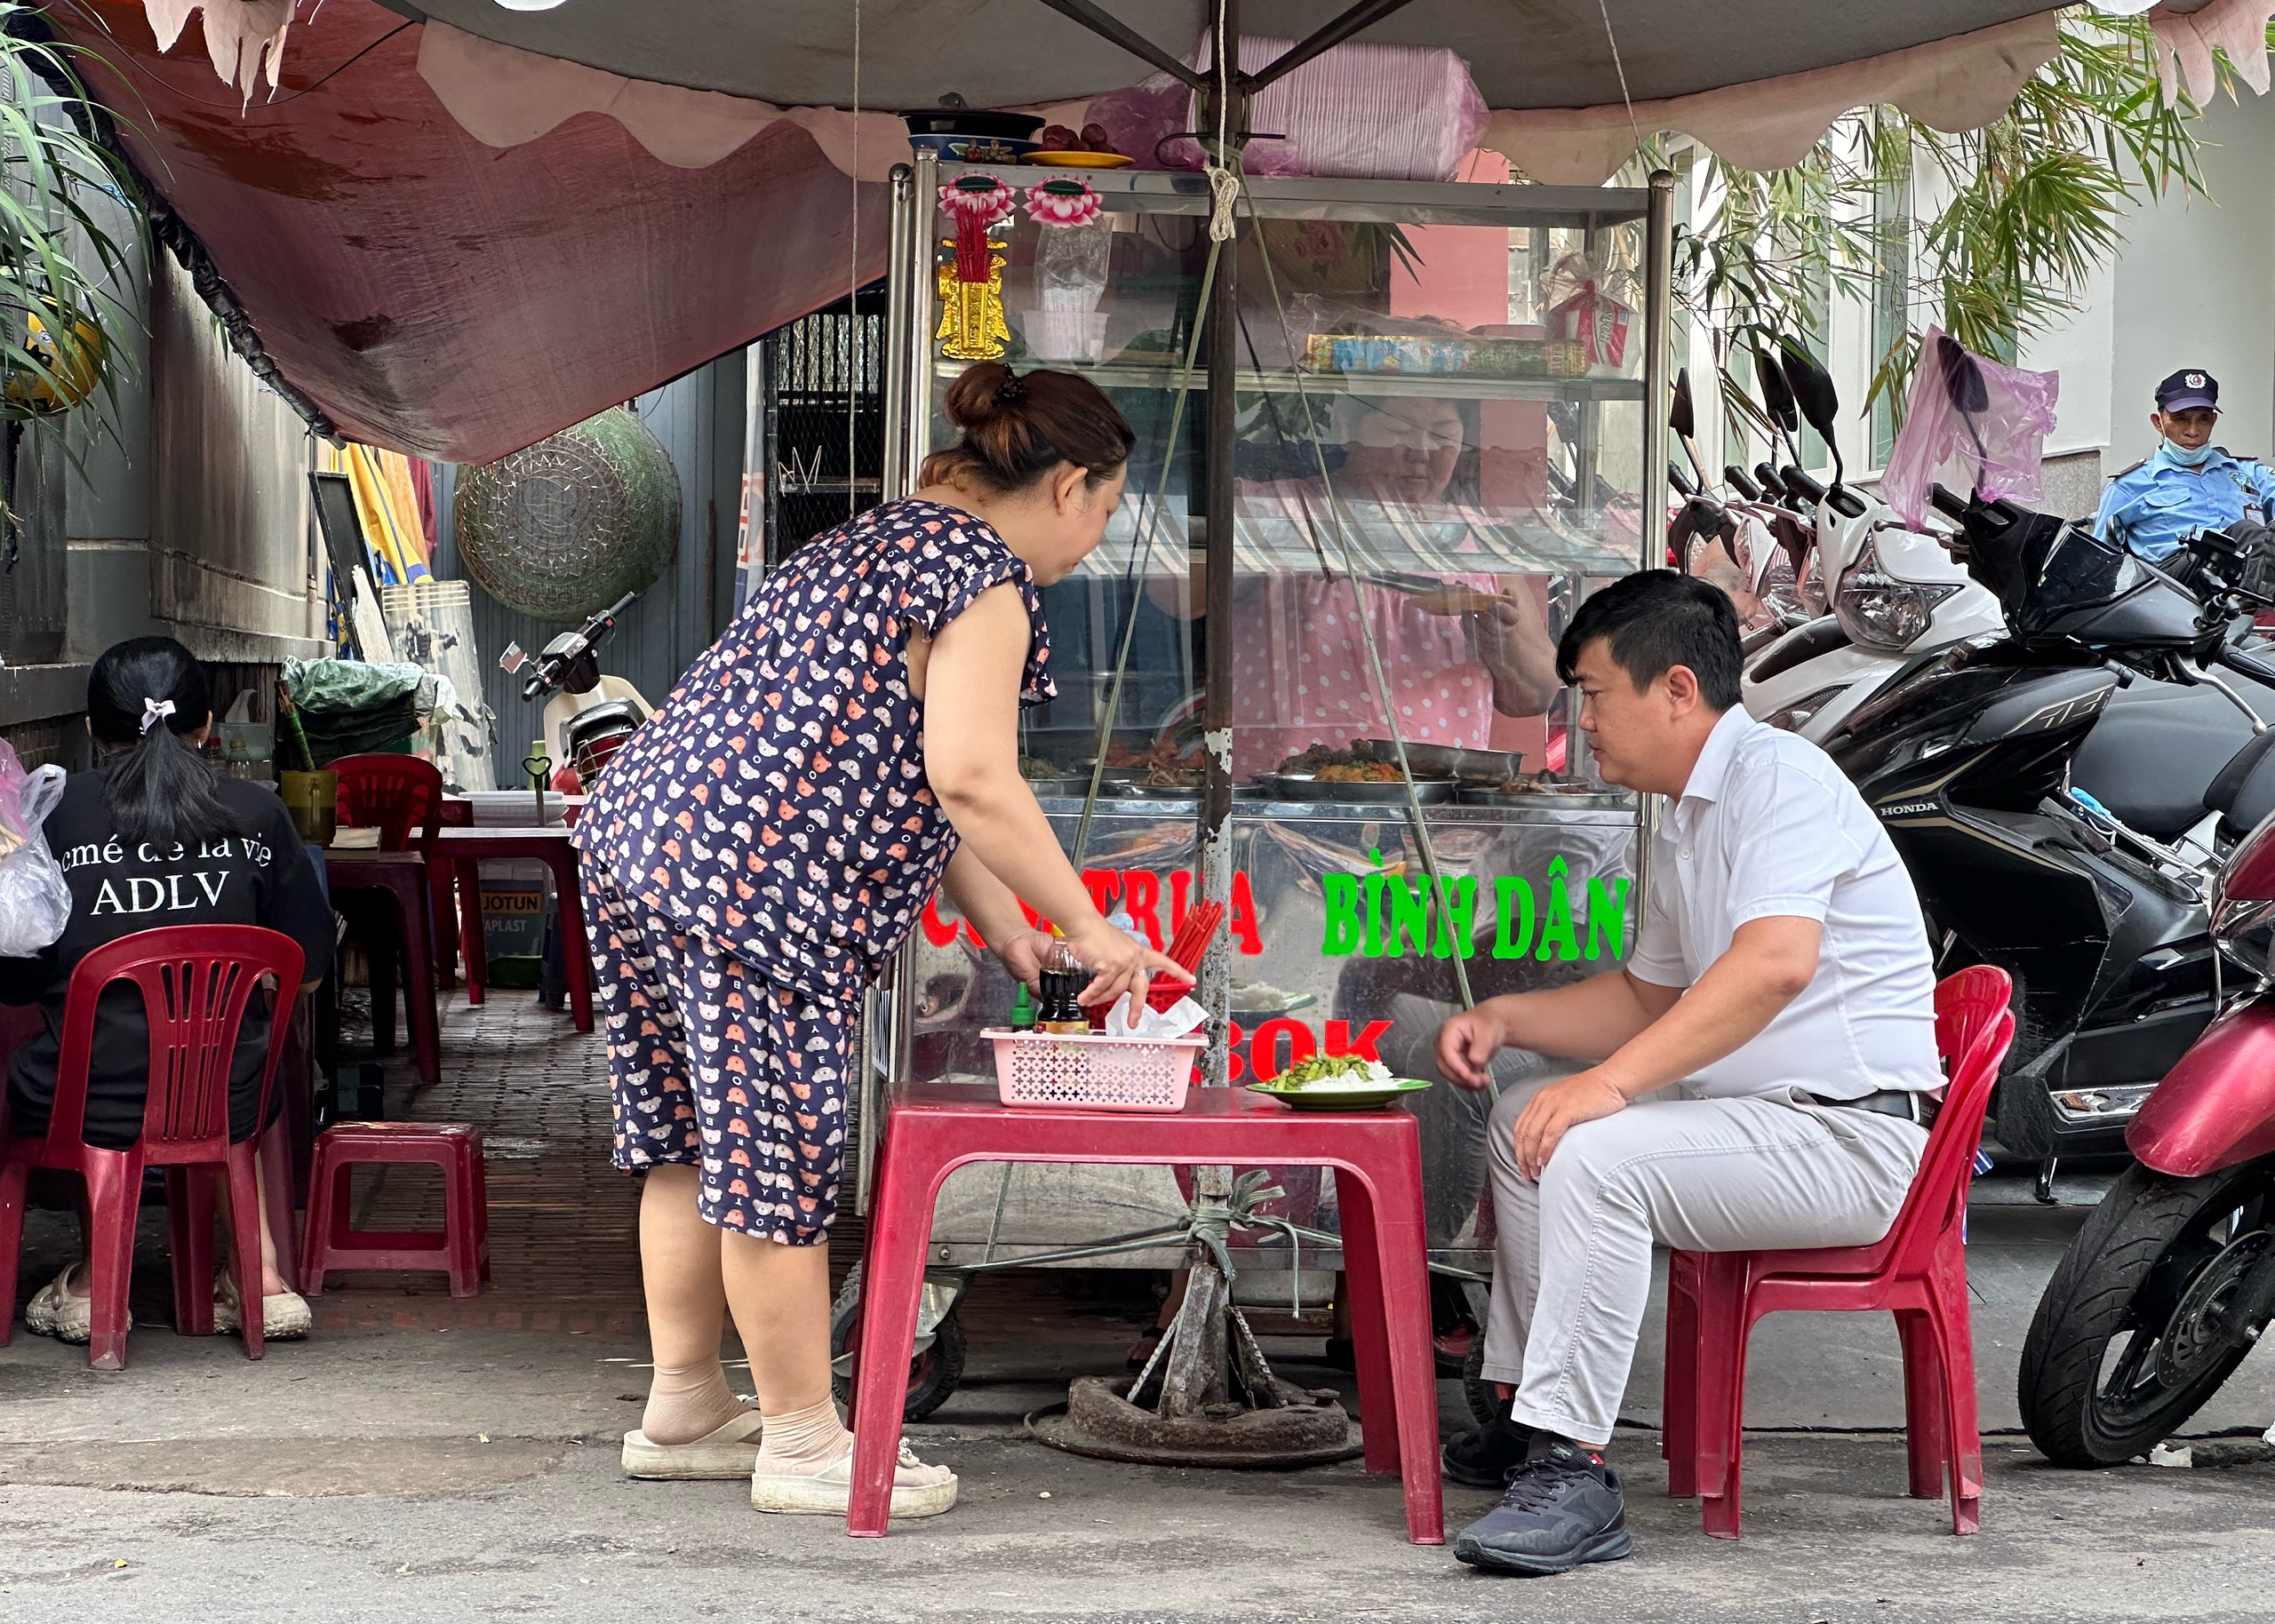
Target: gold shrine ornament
972, 327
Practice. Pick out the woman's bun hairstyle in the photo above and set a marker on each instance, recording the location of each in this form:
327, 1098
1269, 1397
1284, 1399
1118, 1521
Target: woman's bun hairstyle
1016, 430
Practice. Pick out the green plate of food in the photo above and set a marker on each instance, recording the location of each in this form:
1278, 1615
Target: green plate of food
1337, 1082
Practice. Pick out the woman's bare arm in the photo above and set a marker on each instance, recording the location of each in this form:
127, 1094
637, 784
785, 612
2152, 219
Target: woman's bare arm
972, 759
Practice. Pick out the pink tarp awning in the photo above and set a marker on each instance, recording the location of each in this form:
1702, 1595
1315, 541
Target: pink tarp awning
459, 227
457, 300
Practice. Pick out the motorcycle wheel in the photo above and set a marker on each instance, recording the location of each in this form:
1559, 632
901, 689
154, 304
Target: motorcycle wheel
2129, 1339
933, 1375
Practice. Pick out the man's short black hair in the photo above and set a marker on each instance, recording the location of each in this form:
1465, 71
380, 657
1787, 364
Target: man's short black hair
1655, 620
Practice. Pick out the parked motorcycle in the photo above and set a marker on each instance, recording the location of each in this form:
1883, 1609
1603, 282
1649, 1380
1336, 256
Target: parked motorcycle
587, 715
1967, 759
2171, 1281
1899, 593
1894, 593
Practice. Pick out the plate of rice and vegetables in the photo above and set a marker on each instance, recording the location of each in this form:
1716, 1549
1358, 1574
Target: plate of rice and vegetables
1337, 1082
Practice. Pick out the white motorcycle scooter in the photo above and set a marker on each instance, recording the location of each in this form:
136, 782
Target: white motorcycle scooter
1890, 592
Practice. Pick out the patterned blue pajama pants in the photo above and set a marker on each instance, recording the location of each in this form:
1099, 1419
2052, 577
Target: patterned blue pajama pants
714, 1065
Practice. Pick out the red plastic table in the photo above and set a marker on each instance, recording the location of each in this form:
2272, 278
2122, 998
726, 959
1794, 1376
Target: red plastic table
932, 1129
464, 849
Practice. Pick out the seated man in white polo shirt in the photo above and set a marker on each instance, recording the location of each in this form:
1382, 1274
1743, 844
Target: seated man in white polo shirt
1763, 1062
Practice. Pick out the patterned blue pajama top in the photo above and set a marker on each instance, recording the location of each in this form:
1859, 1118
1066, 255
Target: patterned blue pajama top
753, 856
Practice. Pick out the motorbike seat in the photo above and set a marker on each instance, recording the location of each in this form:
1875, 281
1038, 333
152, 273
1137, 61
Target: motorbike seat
2244, 792
2160, 750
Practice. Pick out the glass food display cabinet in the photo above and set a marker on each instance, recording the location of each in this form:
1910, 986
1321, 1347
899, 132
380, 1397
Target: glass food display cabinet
1440, 446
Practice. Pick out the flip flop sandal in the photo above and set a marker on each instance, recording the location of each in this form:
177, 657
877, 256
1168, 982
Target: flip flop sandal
726, 1453
829, 1492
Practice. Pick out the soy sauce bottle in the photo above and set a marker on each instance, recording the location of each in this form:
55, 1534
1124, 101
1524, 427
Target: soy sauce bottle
1062, 980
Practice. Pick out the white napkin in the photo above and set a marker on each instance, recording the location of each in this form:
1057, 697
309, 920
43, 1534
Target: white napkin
1175, 1021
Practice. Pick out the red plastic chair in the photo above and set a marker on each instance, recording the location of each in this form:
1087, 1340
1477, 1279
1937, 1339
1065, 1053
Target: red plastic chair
1917, 1272
402, 797
196, 982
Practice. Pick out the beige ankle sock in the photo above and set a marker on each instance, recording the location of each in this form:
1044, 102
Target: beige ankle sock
688, 1402
804, 1441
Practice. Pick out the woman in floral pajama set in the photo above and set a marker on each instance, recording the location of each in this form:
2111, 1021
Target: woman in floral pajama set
755, 854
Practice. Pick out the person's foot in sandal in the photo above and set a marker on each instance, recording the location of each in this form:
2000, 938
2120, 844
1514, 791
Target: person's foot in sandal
805, 1467
726, 1453
285, 1315
918, 1489
63, 1311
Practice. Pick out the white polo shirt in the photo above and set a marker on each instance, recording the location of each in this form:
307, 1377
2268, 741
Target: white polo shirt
1767, 827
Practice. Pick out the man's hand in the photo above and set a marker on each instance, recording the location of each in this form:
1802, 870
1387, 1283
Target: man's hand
1023, 956
1584, 1096
1467, 1045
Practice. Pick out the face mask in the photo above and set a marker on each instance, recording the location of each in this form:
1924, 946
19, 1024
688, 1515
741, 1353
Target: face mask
2187, 458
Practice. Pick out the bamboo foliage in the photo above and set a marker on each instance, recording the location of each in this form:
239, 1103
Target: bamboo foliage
2010, 223
59, 257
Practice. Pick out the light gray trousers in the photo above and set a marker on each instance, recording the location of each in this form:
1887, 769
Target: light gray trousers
1573, 1260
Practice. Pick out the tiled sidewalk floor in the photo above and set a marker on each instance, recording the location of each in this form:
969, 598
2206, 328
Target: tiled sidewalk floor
563, 1223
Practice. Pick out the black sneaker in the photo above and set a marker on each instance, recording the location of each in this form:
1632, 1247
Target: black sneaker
1564, 1508
1483, 1459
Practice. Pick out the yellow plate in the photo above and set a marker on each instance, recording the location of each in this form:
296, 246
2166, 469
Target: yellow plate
1081, 160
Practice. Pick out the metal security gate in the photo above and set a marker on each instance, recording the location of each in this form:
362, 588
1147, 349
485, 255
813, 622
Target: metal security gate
821, 390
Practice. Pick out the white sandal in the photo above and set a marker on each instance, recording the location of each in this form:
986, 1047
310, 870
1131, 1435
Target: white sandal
725, 1453
285, 1317
829, 1492
54, 1311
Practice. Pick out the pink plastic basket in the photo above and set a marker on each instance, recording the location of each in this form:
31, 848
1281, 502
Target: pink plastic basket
1093, 1072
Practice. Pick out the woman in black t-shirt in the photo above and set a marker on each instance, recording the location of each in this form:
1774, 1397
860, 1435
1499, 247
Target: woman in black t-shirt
154, 837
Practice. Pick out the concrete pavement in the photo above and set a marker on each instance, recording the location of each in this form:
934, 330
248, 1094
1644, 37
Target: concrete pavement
402, 1474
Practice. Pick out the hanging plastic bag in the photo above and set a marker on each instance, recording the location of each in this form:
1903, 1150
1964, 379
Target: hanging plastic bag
1968, 425
35, 902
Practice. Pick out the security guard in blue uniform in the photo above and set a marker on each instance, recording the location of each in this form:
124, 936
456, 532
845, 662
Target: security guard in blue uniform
2188, 485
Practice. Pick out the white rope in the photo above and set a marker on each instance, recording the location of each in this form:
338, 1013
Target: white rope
1224, 182
1620, 68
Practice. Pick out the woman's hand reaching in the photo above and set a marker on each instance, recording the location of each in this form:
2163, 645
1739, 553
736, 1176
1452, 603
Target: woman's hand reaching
1118, 964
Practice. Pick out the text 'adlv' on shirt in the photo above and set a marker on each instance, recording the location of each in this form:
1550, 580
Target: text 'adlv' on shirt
253, 871
775, 804
1769, 828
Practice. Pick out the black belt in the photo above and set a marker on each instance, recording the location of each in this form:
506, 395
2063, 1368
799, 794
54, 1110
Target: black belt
1908, 1103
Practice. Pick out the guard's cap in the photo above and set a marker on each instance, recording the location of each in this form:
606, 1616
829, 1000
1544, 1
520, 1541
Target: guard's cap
2188, 389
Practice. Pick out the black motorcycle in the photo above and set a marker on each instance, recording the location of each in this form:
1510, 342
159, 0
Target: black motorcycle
1967, 758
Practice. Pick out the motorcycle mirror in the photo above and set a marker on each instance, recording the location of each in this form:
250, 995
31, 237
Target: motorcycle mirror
1777, 394
1812, 389
1680, 417
1962, 377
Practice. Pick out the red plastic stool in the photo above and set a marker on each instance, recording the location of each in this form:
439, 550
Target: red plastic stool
1918, 1272
462, 1246
932, 1130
